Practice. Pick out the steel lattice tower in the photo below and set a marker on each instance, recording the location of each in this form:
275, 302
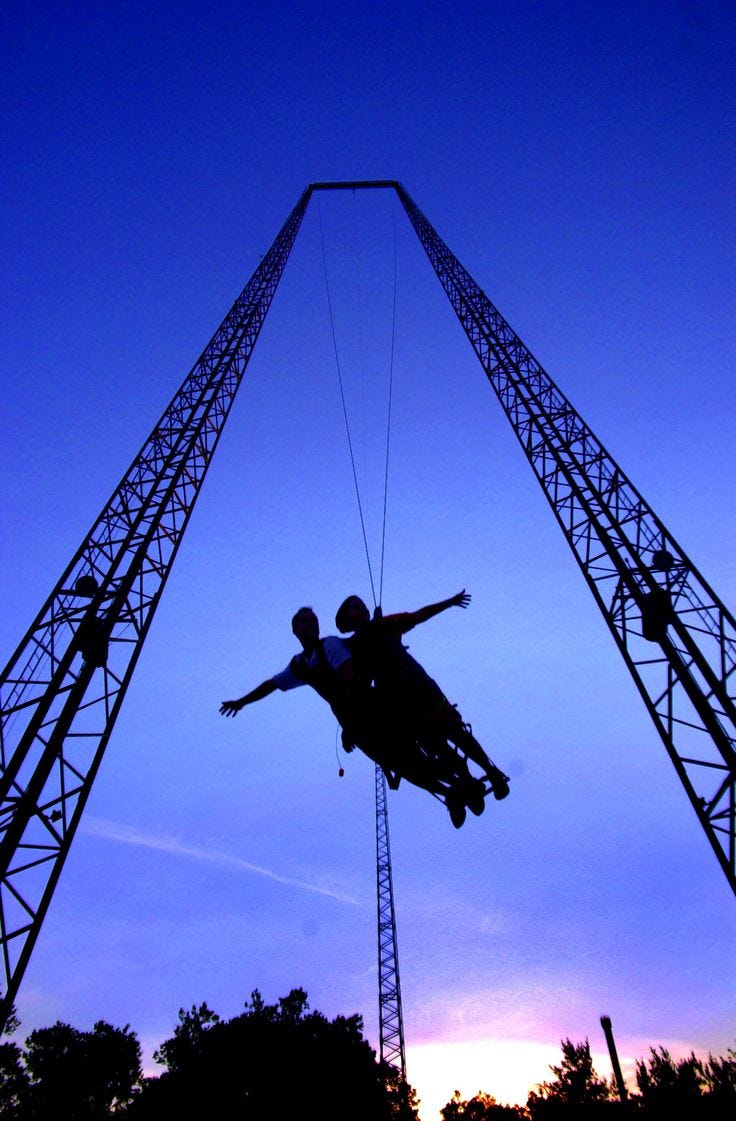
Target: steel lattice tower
675, 635
391, 1023
62, 689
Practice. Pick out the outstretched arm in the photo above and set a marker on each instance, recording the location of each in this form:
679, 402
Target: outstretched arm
462, 599
231, 708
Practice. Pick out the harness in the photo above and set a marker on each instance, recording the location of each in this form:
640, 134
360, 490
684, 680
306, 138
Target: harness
374, 649
381, 658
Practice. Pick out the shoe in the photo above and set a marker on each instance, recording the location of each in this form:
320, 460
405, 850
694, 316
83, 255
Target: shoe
475, 796
456, 808
499, 783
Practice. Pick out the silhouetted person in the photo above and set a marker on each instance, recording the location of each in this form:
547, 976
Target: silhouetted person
327, 665
93, 639
403, 685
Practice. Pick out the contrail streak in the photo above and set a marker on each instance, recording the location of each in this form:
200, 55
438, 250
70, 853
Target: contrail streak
128, 835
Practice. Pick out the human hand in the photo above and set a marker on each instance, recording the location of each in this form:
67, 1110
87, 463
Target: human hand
462, 599
230, 708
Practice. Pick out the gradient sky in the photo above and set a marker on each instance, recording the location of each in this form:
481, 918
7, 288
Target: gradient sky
578, 158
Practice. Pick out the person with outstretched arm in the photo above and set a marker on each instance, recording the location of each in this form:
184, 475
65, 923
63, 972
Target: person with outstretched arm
381, 660
327, 665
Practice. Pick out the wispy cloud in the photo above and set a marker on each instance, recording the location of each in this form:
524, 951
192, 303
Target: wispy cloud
129, 835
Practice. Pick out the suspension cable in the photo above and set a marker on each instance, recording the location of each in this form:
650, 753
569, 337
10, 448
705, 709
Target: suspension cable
344, 409
376, 601
388, 413
361, 336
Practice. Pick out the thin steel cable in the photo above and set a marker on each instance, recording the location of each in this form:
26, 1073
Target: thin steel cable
344, 409
361, 337
388, 416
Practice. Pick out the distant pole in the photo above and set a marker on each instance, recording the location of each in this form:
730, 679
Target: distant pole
608, 1032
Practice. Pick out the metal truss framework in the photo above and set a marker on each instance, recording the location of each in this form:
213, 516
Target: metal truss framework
63, 688
675, 635
391, 1026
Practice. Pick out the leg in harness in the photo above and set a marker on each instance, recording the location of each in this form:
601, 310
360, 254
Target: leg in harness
458, 737
444, 741
426, 760
428, 735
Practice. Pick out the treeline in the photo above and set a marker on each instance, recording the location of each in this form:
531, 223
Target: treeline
277, 1061
283, 1062
691, 1088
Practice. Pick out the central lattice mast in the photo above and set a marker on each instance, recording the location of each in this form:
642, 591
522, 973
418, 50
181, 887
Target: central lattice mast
391, 1026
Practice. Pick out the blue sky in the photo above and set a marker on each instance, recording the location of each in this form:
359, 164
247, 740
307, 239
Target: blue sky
578, 158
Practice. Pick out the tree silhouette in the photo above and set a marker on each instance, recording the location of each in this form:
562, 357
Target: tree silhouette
274, 1060
187, 1044
720, 1080
688, 1086
669, 1085
401, 1098
483, 1107
693, 1088
78, 1075
14, 1081
575, 1092
281, 1062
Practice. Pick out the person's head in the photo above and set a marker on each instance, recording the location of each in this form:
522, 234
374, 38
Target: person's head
351, 614
305, 626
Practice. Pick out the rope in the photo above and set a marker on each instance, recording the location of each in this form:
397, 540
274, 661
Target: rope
361, 336
344, 409
388, 415
376, 600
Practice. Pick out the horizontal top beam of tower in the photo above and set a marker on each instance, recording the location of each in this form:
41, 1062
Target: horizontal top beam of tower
354, 185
